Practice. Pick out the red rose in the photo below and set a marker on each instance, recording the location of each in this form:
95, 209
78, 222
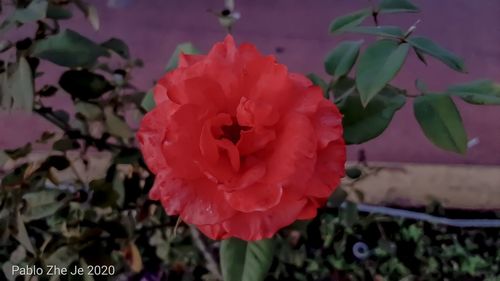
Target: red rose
240, 146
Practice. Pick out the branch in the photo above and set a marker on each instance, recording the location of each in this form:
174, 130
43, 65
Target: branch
212, 265
48, 114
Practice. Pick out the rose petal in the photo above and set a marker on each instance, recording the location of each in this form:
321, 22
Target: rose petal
241, 147
186, 60
231, 152
224, 50
214, 231
255, 114
208, 143
249, 177
257, 197
309, 211
329, 169
294, 155
198, 201
261, 225
254, 140
152, 132
181, 143
327, 123
310, 100
300, 79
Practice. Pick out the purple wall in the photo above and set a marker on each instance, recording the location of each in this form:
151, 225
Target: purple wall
471, 29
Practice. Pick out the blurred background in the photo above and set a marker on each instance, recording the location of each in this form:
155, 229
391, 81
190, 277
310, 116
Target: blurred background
92, 207
296, 32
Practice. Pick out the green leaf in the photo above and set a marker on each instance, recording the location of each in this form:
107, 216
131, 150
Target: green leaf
427, 46
22, 235
118, 46
349, 213
83, 84
441, 122
36, 10
17, 90
477, 92
3, 158
62, 257
115, 125
185, 48
7, 267
420, 55
58, 12
342, 23
385, 31
397, 6
341, 59
46, 136
70, 49
58, 162
5, 45
148, 102
360, 123
337, 198
41, 204
103, 194
119, 188
19, 152
377, 66
318, 81
90, 111
65, 144
15, 177
127, 156
246, 261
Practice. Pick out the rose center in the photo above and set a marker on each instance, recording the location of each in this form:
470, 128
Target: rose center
233, 131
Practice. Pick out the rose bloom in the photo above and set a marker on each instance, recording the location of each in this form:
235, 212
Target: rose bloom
240, 146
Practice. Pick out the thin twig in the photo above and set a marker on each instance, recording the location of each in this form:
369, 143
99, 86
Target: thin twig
212, 265
54, 119
411, 29
345, 94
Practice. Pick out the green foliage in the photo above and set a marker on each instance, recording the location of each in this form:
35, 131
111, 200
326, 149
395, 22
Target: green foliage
369, 107
41, 204
398, 249
342, 58
441, 122
427, 46
377, 66
397, 6
246, 261
116, 126
118, 46
477, 92
17, 87
70, 49
343, 23
383, 31
185, 48
58, 12
36, 10
84, 85
148, 102
318, 81
188, 48
362, 123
